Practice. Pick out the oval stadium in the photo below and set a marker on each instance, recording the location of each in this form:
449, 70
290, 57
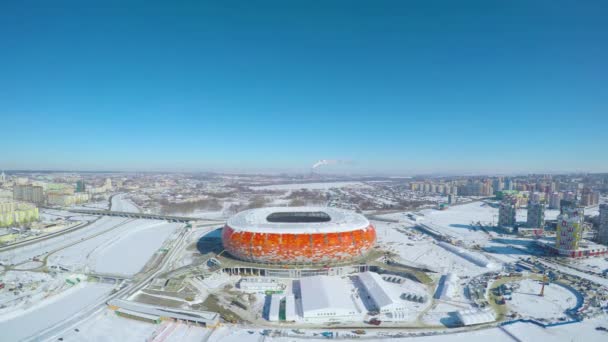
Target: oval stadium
298, 235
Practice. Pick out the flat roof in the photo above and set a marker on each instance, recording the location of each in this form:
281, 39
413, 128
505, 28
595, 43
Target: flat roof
162, 311
326, 293
376, 287
285, 220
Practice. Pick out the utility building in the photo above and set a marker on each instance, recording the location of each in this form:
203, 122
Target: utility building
385, 300
326, 298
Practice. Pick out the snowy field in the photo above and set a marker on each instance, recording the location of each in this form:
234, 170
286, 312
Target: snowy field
311, 186
48, 312
419, 249
456, 221
30, 251
123, 250
526, 301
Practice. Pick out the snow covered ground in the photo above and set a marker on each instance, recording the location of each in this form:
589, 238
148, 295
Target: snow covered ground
123, 250
456, 221
526, 301
46, 313
417, 248
28, 252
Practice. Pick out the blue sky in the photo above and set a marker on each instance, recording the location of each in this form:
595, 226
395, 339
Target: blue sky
397, 87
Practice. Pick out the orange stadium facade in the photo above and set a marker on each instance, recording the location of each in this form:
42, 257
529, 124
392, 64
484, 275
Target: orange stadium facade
298, 235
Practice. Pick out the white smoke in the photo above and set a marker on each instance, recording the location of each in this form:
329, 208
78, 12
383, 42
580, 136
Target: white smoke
329, 162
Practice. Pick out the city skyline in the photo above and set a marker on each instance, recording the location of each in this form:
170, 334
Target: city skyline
400, 89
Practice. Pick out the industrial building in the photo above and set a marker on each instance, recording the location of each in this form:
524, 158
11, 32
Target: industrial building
304, 235
327, 298
450, 287
387, 302
474, 317
261, 285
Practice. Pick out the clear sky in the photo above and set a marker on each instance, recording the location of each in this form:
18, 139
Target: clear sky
394, 86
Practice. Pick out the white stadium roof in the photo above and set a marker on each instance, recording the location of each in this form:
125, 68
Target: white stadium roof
294, 220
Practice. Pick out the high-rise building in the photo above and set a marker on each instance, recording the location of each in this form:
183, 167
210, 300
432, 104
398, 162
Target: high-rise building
16, 213
509, 184
427, 187
554, 200
589, 197
602, 236
108, 184
451, 199
498, 185
569, 228
80, 186
2, 177
507, 213
536, 215
28, 193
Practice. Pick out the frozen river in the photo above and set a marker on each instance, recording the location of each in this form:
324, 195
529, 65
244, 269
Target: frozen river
122, 203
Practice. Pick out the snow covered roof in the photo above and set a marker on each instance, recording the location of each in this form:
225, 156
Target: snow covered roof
377, 289
472, 317
450, 286
285, 220
325, 293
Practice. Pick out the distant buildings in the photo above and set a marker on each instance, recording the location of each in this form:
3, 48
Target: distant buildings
108, 184
452, 199
602, 236
62, 199
28, 193
589, 197
15, 213
441, 188
569, 228
507, 213
2, 177
63, 195
498, 184
554, 200
476, 188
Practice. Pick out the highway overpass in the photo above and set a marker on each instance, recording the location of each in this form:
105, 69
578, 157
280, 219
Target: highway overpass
135, 215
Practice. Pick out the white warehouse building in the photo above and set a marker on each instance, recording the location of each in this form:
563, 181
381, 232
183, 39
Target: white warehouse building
450, 287
326, 298
387, 302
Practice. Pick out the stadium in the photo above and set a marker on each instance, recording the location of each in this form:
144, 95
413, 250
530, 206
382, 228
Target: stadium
298, 235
